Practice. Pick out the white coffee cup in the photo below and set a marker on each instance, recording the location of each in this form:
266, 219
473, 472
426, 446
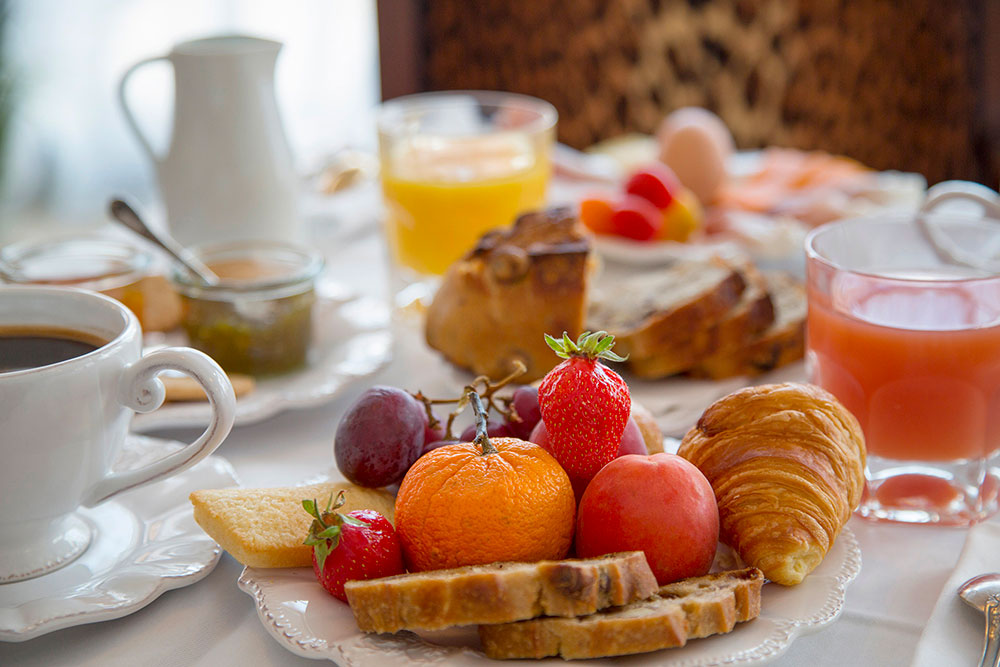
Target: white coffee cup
62, 425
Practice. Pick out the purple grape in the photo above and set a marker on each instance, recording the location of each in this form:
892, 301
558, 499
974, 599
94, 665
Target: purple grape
430, 446
525, 402
431, 434
494, 429
380, 437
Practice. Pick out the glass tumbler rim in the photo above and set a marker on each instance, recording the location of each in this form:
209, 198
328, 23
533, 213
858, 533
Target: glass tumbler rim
900, 221
393, 113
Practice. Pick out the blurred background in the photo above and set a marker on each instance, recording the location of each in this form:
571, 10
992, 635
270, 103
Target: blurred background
64, 142
896, 84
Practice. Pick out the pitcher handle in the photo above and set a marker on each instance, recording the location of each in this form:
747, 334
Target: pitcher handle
140, 390
129, 117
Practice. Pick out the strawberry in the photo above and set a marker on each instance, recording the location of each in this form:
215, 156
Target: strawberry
585, 405
656, 183
359, 545
635, 218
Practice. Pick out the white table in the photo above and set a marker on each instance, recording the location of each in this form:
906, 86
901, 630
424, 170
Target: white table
213, 623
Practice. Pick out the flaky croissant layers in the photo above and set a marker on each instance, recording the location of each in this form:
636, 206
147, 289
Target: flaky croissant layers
787, 464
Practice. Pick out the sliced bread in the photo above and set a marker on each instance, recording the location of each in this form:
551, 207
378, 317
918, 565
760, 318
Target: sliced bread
662, 314
745, 321
692, 608
499, 592
780, 344
266, 527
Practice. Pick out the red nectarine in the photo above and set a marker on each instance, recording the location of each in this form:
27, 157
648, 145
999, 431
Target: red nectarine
661, 505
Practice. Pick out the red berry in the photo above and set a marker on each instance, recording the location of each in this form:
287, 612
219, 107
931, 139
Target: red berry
585, 405
360, 545
636, 218
656, 184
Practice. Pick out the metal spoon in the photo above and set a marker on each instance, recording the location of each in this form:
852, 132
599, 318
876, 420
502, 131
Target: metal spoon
124, 214
983, 593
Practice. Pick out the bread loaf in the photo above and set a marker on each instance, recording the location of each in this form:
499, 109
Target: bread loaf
496, 304
499, 592
722, 337
692, 608
781, 343
666, 314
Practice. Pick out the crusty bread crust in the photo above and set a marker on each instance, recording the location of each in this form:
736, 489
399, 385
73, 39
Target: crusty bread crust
496, 304
266, 527
499, 592
692, 608
664, 314
746, 320
782, 343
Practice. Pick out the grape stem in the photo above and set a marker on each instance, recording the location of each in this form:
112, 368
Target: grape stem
488, 392
482, 439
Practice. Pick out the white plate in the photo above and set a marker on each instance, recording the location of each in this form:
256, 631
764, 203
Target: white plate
145, 542
352, 340
308, 621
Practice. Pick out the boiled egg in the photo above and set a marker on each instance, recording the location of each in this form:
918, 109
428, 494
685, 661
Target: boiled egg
696, 145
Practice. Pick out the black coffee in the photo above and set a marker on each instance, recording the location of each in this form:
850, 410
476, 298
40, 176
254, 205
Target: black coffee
32, 347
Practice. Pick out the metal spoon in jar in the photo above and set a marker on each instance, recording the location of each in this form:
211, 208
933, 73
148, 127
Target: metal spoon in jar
124, 214
983, 593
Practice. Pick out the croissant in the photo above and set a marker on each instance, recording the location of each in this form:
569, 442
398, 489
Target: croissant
786, 462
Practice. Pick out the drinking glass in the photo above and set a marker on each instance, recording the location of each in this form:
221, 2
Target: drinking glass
907, 337
455, 165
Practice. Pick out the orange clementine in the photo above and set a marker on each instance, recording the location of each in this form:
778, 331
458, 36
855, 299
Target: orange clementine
466, 505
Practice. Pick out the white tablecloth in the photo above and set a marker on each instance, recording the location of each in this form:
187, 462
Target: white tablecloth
213, 623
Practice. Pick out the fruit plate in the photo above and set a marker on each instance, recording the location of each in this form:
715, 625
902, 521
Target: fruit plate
308, 621
352, 340
145, 542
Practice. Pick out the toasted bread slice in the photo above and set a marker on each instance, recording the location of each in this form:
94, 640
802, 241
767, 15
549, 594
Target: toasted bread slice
666, 314
692, 608
745, 321
499, 592
782, 343
266, 527
496, 304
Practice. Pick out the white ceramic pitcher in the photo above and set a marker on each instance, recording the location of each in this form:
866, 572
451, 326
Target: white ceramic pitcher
228, 172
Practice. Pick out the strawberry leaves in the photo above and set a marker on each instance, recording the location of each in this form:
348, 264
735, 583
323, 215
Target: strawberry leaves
596, 345
325, 531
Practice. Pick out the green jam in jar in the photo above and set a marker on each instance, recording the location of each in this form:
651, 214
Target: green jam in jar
258, 319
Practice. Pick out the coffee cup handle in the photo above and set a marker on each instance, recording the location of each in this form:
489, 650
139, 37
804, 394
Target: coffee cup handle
140, 390
129, 117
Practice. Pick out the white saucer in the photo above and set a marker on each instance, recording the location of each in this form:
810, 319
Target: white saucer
144, 542
352, 340
303, 618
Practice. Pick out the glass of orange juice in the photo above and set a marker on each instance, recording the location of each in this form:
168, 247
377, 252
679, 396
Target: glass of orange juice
455, 165
908, 339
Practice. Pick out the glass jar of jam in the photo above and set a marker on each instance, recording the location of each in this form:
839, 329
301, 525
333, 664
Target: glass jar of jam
115, 267
258, 319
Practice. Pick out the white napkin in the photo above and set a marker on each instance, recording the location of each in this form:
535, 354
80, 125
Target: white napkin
954, 633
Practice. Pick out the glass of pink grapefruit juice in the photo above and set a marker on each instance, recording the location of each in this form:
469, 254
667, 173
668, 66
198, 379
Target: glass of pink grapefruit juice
909, 342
